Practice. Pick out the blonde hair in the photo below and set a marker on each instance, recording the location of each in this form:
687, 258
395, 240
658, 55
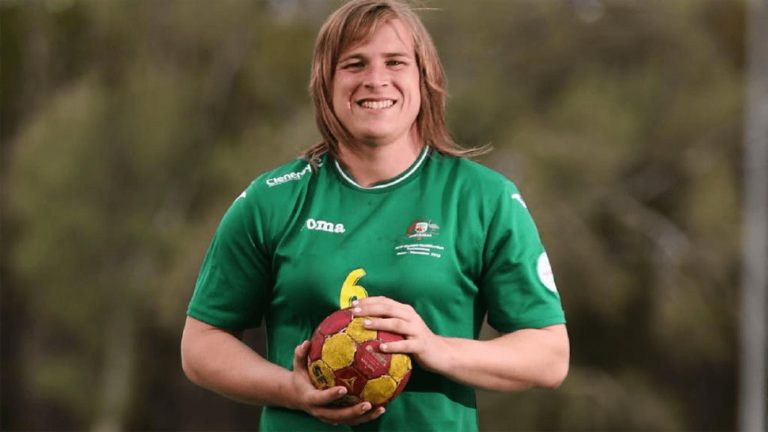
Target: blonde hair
354, 22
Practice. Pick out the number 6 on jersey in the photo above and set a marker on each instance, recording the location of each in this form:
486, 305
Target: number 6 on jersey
350, 290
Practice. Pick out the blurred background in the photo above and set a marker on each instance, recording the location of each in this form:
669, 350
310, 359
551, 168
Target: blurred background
128, 127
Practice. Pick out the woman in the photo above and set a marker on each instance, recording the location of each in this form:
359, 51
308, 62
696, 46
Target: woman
386, 216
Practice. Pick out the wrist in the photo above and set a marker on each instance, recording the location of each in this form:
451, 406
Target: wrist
289, 395
444, 356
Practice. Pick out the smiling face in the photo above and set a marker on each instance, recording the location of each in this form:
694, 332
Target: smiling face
376, 93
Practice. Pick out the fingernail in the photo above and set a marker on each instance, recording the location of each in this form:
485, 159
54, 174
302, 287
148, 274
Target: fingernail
342, 391
355, 302
367, 323
381, 411
383, 347
365, 407
356, 310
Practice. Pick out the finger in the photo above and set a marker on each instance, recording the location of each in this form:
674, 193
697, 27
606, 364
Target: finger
345, 415
377, 300
384, 308
321, 398
392, 325
372, 415
406, 346
300, 356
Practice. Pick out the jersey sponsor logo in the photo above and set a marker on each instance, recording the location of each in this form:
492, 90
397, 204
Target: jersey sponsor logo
291, 176
321, 225
414, 243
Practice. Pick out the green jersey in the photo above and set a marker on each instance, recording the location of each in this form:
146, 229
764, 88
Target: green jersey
448, 236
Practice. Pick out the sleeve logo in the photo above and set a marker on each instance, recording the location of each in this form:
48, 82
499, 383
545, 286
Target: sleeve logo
544, 270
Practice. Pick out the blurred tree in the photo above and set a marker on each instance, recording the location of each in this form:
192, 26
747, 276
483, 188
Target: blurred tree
624, 131
112, 172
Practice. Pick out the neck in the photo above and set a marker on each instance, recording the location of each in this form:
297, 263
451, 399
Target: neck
369, 164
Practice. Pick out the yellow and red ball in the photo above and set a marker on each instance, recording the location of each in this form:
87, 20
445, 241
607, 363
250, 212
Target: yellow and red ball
343, 352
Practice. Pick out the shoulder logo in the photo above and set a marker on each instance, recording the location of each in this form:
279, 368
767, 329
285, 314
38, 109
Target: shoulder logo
519, 198
321, 225
291, 176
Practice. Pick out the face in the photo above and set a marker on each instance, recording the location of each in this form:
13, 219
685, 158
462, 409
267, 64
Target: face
376, 92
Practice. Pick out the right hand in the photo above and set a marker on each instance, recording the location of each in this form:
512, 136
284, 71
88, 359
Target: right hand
315, 402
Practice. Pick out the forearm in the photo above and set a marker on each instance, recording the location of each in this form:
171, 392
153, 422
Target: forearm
515, 361
219, 361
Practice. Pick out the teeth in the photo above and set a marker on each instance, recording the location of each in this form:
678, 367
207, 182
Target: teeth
377, 104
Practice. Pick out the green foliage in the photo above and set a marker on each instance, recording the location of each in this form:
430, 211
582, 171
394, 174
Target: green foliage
131, 126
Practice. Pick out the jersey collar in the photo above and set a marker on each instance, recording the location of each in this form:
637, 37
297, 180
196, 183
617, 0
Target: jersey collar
387, 183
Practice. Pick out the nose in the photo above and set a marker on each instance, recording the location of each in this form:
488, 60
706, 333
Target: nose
376, 76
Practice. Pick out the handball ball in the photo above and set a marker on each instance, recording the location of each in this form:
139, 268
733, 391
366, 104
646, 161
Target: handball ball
343, 352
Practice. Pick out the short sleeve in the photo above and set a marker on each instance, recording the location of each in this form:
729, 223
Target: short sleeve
234, 282
517, 284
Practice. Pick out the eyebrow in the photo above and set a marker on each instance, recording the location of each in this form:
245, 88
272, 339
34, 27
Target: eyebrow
359, 56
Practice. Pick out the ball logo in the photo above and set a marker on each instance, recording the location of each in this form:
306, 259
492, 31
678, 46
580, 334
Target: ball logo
318, 373
349, 382
321, 225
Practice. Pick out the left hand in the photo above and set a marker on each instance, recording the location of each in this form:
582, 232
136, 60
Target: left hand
427, 348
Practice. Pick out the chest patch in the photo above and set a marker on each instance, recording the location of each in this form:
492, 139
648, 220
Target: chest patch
421, 238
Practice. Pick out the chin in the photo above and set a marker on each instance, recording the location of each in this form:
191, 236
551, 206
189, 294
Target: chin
372, 141
373, 137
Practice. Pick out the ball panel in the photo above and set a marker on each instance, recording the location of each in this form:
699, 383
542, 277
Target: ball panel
335, 322
339, 351
370, 361
386, 336
380, 390
351, 378
316, 346
358, 332
400, 365
321, 375
401, 384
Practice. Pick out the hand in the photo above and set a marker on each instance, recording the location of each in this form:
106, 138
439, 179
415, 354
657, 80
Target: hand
428, 349
315, 402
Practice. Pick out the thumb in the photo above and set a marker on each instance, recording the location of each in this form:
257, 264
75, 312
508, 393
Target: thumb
300, 356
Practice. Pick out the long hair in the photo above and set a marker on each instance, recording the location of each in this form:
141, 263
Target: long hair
355, 22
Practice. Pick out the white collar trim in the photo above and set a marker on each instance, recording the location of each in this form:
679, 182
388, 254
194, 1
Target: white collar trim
400, 179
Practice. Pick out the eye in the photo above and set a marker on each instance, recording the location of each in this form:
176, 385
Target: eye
395, 63
353, 65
